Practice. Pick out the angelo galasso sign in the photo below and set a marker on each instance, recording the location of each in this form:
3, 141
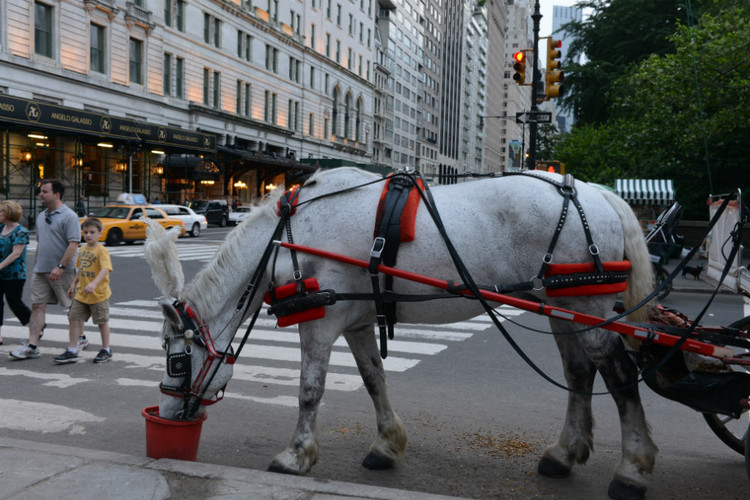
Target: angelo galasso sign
46, 115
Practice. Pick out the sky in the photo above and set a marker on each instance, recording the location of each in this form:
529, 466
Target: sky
545, 6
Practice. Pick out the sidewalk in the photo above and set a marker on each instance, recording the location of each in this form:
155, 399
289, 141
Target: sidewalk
38, 471
689, 284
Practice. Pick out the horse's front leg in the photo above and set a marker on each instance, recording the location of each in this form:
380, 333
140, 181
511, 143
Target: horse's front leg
303, 450
390, 444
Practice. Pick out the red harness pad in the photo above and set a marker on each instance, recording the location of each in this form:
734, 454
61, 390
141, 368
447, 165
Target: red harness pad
588, 268
408, 216
284, 291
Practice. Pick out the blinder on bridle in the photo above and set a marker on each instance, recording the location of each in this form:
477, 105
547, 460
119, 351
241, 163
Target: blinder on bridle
179, 364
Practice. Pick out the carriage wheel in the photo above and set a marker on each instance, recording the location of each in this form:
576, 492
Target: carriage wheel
734, 432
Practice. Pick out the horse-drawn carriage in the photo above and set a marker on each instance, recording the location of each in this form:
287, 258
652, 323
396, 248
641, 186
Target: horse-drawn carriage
543, 243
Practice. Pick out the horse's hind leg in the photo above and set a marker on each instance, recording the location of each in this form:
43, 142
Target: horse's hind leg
391, 441
607, 353
303, 450
576, 438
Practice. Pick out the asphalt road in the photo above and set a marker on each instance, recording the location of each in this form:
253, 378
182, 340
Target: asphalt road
478, 418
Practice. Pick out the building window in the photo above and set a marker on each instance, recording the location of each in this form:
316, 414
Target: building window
217, 90
338, 51
238, 97
328, 9
167, 74
335, 113
294, 65
311, 125
289, 114
244, 46
206, 86
43, 29
248, 99
96, 50
328, 45
312, 77
358, 122
272, 58
347, 113
269, 113
211, 30
312, 36
136, 61
180, 15
168, 6
338, 14
349, 59
179, 78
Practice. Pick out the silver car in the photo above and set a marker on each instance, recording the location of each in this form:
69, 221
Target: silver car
194, 223
239, 213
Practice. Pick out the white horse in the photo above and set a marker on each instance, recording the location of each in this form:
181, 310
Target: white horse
502, 229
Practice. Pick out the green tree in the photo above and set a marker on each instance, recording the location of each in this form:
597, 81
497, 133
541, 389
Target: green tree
612, 40
682, 115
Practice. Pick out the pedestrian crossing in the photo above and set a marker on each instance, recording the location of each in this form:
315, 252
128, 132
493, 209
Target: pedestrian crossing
268, 368
202, 252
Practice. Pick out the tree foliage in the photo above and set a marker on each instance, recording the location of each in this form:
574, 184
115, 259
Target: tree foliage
682, 113
616, 36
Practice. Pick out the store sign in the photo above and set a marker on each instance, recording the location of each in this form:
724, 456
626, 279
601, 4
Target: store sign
47, 115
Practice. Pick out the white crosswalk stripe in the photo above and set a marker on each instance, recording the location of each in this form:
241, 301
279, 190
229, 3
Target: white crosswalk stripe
269, 358
202, 252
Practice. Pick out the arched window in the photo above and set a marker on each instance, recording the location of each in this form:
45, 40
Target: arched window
347, 116
334, 118
358, 122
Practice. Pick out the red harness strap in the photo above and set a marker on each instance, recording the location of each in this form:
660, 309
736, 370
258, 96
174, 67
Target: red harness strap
611, 281
408, 216
291, 290
291, 198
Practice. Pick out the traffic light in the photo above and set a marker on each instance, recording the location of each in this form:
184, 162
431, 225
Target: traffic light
554, 77
519, 66
551, 166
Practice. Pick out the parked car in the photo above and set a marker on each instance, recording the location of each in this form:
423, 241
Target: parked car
125, 222
215, 211
239, 213
194, 223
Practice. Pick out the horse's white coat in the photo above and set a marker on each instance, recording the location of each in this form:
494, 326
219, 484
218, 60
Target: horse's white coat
500, 227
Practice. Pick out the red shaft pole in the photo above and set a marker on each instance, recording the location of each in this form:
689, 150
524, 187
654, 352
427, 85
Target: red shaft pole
528, 305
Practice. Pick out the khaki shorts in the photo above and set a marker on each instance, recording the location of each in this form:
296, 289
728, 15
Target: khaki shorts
44, 291
99, 312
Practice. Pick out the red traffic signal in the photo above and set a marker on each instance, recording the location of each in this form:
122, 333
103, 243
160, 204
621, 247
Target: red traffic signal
519, 67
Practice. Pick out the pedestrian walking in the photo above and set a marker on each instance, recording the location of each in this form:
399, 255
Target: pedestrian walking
58, 233
90, 292
14, 238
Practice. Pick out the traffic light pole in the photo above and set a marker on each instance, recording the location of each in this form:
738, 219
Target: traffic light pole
535, 79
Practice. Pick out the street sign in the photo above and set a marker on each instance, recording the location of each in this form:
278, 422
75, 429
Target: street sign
536, 117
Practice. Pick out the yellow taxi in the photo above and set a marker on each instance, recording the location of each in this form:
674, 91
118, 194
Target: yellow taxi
125, 222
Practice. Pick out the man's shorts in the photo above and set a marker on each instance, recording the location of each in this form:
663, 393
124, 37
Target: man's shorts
99, 312
44, 291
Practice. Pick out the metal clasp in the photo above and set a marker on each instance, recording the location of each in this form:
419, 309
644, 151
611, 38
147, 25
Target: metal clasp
377, 247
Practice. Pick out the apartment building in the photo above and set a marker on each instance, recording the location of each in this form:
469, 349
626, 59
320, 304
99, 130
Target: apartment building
178, 99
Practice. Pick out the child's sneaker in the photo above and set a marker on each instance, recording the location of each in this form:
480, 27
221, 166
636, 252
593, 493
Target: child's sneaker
103, 356
25, 352
66, 357
83, 343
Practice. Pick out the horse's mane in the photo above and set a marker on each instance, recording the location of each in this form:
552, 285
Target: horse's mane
207, 291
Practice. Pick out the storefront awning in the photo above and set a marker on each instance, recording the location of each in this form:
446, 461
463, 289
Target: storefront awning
51, 116
645, 191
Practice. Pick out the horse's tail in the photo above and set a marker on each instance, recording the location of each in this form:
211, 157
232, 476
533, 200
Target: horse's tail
641, 278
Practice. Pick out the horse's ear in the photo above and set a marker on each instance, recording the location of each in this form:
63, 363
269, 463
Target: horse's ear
162, 256
169, 311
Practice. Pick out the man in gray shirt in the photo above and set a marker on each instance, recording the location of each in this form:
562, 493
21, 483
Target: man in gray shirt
58, 233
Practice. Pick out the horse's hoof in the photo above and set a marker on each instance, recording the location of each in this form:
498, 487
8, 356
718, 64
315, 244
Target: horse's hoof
551, 468
623, 491
280, 470
377, 462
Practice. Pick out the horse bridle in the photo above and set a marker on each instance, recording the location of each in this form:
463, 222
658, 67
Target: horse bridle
179, 364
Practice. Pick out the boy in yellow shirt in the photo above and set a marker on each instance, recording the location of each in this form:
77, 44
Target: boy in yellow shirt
92, 292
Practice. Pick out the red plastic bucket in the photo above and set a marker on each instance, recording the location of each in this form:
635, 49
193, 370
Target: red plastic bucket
176, 439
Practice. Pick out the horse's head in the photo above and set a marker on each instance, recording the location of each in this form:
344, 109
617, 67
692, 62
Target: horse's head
198, 364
